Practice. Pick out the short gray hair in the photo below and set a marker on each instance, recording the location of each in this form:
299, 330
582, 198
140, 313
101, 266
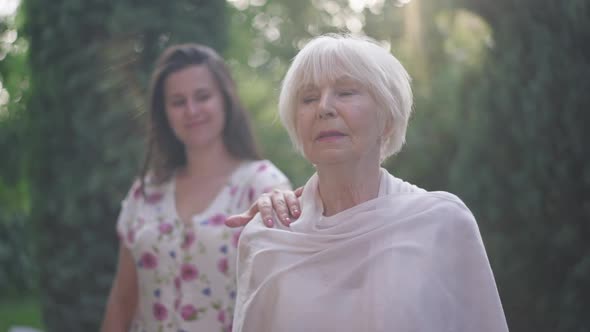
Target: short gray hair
328, 57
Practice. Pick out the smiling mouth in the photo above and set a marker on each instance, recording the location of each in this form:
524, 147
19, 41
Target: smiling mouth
195, 123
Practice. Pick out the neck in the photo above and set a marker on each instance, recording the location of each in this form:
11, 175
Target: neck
208, 162
342, 187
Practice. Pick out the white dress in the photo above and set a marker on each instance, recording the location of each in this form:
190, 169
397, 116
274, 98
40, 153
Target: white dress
187, 272
406, 261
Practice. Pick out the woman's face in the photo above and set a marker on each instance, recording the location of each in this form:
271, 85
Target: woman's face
194, 107
338, 122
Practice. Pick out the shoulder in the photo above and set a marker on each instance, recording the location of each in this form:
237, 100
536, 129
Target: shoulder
263, 173
445, 201
455, 223
255, 233
146, 191
439, 209
262, 166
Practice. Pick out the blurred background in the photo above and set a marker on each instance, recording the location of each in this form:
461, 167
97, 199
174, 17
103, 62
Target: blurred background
502, 110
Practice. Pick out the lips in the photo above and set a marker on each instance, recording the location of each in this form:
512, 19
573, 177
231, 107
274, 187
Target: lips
191, 124
329, 134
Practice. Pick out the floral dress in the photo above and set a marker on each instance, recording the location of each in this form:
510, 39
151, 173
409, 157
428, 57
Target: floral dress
186, 271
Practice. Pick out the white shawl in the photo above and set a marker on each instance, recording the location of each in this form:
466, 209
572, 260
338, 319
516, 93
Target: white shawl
408, 260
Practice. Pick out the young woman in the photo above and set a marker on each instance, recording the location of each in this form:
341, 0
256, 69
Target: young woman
176, 262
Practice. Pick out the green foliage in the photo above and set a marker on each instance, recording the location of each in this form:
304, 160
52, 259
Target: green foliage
18, 273
523, 164
499, 114
90, 61
21, 311
455, 47
260, 58
260, 95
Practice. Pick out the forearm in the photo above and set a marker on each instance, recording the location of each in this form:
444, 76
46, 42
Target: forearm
119, 314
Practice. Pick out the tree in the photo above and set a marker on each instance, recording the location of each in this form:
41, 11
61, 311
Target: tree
266, 35
18, 273
523, 164
90, 61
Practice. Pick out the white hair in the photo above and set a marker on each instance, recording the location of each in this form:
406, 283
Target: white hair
329, 57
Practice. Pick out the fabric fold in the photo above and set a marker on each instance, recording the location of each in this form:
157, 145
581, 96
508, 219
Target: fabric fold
408, 260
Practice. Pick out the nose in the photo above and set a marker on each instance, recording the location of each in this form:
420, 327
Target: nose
192, 107
326, 107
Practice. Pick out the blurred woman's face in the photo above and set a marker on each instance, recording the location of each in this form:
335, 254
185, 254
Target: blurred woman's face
337, 122
195, 107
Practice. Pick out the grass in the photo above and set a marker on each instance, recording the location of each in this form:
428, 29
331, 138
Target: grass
23, 311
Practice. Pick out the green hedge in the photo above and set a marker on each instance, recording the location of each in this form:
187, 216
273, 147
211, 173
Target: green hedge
18, 273
523, 164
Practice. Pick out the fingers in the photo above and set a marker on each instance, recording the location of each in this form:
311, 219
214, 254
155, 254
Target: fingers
279, 205
264, 205
242, 219
292, 204
298, 191
284, 203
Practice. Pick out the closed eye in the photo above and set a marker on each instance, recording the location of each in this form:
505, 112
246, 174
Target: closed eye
308, 100
346, 93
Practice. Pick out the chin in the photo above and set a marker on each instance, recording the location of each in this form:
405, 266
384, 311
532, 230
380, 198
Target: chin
200, 141
332, 159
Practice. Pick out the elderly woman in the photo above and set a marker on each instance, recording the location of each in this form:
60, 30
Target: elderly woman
369, 252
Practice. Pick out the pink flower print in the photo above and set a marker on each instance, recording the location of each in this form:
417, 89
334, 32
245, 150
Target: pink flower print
137, 192
235, 238
221, 316
222, 265
188, 312
177, 283
176, 303
165, 228
130, 236
233, 190
153, 198
218, 219
150, 198
262, 167
160, 311
189, 272
188, 240
148, 261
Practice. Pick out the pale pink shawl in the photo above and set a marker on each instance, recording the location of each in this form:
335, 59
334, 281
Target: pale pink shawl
408, 260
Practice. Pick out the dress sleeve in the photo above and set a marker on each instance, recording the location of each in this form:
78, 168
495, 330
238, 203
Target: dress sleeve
462, 279
265, 178
125, 220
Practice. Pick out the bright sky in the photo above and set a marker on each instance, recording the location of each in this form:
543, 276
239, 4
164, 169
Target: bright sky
8, 7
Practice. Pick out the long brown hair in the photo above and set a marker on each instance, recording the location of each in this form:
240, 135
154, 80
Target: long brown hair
165, 152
